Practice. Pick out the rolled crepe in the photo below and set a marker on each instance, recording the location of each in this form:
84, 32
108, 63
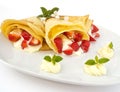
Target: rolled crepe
31, 25
56, 27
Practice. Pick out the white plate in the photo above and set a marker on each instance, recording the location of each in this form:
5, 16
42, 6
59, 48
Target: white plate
72, 66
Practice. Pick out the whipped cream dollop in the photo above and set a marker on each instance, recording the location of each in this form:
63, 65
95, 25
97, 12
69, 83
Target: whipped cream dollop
95, 70
106, 51
50, 67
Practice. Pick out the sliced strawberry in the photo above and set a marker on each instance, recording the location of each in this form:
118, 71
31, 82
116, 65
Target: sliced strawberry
94, 28
97, 35
91, 38
68, 52
77, 37
34, 42
59, 44
75, 46
24, 44
85, 45
25, 35
14, 37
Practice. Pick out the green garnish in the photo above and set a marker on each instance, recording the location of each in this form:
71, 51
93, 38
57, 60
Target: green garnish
96, 61
90, 62
111, 45
54, 59
47, 58
47, 13
103, 60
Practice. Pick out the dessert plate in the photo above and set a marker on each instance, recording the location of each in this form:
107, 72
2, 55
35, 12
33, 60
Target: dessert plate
71, 66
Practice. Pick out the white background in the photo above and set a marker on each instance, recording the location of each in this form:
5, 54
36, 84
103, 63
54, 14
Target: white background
104, 13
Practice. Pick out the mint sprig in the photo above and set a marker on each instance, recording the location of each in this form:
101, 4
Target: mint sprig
54, 59
47, 13
96, 61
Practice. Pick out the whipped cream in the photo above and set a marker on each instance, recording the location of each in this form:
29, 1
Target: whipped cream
95, 70
66, 43
27, 49
50, 67
106, 51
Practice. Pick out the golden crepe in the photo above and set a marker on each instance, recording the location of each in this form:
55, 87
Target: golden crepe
59, 27
82, 20
32, 27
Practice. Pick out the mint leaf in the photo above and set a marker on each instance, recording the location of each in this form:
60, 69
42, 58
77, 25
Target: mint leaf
90, 62
44, 11
47, 58
56, 59
103, 60
96, 59
111, 45
50, 12
54, 9
53, 58
53, 62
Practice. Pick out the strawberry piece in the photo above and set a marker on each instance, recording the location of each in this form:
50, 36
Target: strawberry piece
77, 37
91, 38
59, 44
75, 46
25, 35
94, 28
34, 42
14, 37
69, 34
85, 45
24, 44
68, 52
97, 35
